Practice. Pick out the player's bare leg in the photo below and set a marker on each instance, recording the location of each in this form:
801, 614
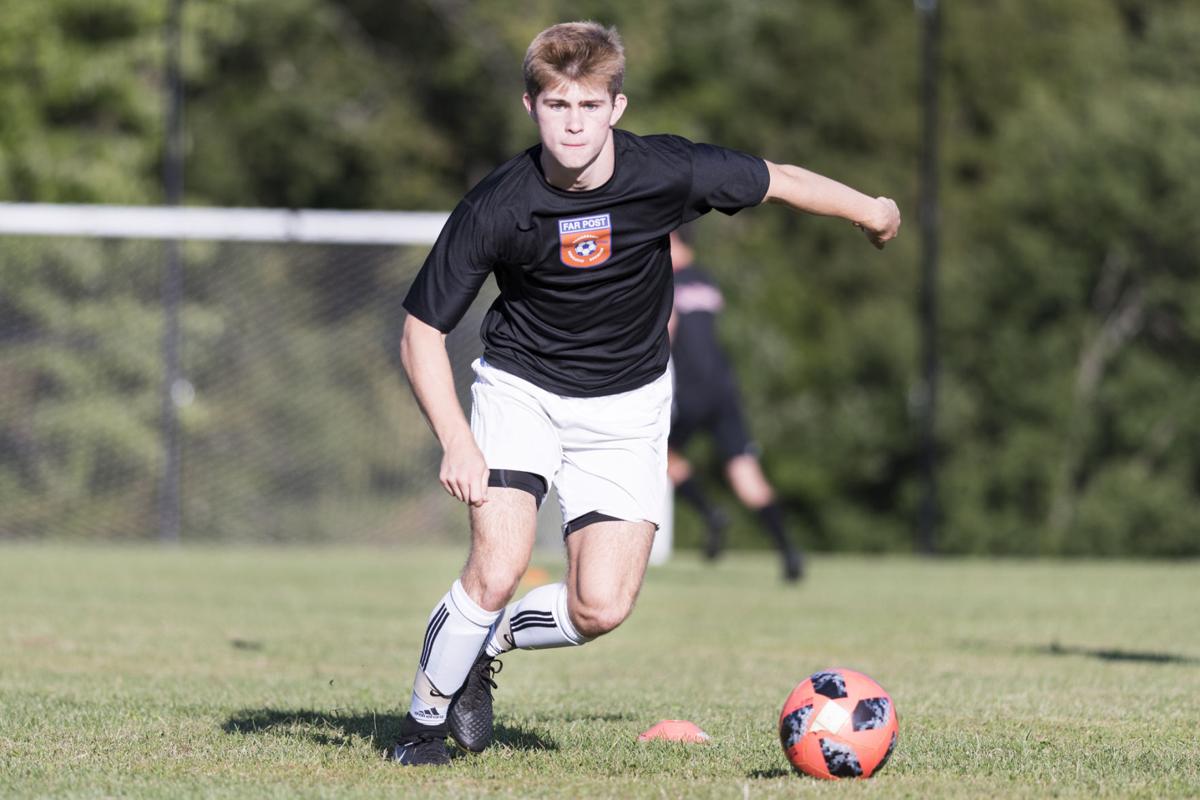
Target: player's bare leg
748, 481
752, 489
502, 536
606, 562
679, 469
503, 531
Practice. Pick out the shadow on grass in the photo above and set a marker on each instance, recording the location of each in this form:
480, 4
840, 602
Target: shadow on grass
338, 728
1116, 654
776, 772
521, 739
584, 716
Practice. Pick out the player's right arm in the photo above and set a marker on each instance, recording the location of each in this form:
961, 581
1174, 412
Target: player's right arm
463, 473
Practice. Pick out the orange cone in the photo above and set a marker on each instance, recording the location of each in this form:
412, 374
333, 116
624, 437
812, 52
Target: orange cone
675, 730
534, 577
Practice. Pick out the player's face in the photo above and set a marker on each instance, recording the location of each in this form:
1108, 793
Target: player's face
575, 122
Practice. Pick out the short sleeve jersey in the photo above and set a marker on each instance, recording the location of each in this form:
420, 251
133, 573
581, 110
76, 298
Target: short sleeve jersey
584, 277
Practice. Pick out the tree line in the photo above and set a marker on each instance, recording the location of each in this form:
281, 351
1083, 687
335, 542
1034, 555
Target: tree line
1070, 288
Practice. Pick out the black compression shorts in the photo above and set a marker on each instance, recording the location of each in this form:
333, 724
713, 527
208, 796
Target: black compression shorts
721, 417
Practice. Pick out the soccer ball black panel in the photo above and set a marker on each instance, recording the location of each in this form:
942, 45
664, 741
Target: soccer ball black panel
830, 684
840, 759
795, 725
874, 712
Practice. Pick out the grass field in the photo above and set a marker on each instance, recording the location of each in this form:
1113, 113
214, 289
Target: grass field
285, 672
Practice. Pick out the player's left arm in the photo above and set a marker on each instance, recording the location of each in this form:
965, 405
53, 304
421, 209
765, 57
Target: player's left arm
803, 190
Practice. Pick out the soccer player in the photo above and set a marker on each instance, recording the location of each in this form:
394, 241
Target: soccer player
707, 400
572, 388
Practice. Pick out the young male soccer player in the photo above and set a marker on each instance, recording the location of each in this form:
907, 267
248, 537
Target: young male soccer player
707, 400
572, 388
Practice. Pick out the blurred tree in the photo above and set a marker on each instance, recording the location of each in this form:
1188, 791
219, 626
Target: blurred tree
1074, 336
79, 104
1070, 290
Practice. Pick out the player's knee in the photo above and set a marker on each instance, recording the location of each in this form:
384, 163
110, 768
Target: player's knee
598, 618
748, 482
755, 496
596, 622
497, 594
491, 587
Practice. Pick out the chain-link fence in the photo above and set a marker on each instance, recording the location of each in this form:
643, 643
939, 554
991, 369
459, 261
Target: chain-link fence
292, 417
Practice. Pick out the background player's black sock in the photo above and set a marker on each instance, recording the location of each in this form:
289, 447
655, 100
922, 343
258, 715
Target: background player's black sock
693, 492
772, 519
714, 520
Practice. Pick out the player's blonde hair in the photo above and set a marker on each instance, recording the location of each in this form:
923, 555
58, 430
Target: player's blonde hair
585, 52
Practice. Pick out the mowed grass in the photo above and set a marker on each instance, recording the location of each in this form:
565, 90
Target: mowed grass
146, 672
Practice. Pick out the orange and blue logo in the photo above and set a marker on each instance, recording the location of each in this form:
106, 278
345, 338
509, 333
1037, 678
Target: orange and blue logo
585, 242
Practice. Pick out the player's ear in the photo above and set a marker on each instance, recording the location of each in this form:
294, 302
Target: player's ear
528, 101
619, 103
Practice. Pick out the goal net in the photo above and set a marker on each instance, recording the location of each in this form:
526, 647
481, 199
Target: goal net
220, 375
287, 416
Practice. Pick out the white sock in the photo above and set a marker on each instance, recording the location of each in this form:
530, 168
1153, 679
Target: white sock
537, 621
456, 631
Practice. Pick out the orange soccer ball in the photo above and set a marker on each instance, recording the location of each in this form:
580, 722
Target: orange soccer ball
838, 723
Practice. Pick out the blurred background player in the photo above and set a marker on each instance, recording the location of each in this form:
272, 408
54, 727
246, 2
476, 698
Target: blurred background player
707, 401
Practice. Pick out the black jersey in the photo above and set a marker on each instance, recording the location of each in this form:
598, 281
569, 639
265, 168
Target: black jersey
584, 277
701, 368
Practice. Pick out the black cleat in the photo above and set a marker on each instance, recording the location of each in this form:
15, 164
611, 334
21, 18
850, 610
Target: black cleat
793, 565
421, 745
470, 718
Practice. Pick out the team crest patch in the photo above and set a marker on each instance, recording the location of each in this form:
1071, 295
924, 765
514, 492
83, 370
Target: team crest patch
585, 241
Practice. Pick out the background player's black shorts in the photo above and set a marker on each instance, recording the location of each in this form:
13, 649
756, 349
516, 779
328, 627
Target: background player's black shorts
716, 413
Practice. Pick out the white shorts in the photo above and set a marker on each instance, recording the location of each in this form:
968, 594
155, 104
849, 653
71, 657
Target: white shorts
604, 454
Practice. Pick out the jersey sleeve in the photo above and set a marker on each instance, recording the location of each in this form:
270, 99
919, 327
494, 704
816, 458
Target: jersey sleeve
725, 180
454, 271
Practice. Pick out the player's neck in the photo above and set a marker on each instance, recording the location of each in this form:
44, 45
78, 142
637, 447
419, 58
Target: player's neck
592, 175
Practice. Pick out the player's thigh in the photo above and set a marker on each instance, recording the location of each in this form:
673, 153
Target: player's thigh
606, 563
502, 535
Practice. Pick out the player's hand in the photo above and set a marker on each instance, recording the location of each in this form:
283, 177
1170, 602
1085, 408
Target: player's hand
884, 225
464, 473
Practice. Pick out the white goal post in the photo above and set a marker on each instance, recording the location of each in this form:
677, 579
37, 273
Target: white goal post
222, 224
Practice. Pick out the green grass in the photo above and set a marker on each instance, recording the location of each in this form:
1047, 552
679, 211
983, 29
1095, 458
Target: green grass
284, 673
